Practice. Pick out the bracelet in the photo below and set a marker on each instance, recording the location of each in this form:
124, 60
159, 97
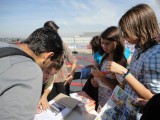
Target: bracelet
125, 74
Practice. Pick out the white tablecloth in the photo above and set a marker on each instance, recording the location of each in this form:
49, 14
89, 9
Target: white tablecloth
77, 115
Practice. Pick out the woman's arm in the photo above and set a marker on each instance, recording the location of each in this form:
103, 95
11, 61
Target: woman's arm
107, 81
43, 101
48, 87
138, 87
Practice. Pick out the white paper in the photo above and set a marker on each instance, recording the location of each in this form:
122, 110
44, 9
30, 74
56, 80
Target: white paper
56, 112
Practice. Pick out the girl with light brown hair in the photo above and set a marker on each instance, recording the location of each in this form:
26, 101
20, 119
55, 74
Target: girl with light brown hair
139, 26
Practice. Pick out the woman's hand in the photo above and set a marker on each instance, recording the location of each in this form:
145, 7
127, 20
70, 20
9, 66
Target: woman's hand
115, 68
39, 109
94, 82
96, 72
140, 102
44, 103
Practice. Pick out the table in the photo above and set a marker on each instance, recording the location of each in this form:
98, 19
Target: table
77, 115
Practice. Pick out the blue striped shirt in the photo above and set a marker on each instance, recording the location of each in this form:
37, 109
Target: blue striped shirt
146, 69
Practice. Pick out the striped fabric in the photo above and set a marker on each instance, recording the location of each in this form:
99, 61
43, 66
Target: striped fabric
146, 69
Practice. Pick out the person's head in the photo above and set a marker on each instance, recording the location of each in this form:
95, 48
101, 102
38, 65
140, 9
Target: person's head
111, 43
53, 68
139, 25
46, 45
51, 25
95, 44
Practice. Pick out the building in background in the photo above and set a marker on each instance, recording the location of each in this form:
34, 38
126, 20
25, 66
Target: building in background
80, 43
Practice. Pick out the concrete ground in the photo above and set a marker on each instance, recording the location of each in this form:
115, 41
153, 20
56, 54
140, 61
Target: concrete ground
83, 60
77, 85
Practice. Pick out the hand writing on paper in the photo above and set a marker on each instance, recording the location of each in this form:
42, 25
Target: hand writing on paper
44, 103
39, 109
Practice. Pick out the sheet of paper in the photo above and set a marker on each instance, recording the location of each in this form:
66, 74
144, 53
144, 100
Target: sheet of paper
56, 112
118, 107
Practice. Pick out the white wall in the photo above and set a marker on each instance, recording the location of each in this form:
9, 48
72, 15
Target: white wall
80, 43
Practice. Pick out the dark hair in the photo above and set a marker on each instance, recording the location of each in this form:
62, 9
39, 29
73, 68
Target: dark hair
45, 40
51, 25
58, 63
113, 34
96, 45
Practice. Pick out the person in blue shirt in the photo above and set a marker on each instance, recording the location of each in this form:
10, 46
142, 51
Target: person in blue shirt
127, 55
97, 50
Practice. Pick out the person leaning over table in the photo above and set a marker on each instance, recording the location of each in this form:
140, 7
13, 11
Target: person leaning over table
21, 77
63, 78
47, 73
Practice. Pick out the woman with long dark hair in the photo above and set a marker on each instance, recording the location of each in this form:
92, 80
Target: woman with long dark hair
113, 48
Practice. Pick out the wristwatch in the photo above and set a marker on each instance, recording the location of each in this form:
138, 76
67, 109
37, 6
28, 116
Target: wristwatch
125, 74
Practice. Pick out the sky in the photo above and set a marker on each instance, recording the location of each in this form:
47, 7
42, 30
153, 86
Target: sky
19, 18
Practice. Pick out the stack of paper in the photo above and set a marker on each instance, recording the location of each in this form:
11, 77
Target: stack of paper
86, 102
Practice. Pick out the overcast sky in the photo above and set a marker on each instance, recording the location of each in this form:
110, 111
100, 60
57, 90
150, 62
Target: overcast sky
19, 18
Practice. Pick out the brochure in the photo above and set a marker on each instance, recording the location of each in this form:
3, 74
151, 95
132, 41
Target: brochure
118, 107
60, 107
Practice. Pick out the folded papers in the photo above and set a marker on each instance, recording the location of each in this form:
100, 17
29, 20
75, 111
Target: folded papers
86, 104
